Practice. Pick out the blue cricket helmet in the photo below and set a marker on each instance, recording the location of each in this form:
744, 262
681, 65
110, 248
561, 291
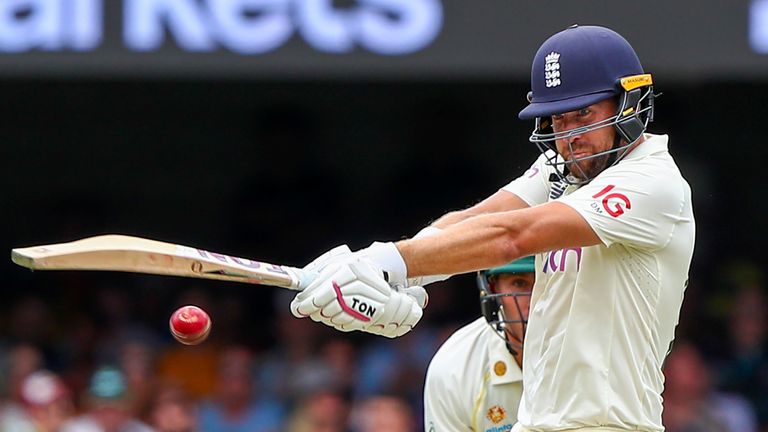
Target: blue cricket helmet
578, 67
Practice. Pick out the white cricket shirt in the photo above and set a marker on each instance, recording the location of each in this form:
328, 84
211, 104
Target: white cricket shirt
473, 383
603, 317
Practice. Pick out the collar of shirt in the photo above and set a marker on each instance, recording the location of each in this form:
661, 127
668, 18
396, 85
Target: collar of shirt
501, 364
652, 144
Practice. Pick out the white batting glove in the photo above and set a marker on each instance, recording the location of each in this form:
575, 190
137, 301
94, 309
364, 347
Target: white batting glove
383, 255
336, 255
354, 296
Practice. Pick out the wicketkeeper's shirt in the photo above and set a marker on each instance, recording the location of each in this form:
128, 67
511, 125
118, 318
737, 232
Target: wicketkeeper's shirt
603, 317
473, 383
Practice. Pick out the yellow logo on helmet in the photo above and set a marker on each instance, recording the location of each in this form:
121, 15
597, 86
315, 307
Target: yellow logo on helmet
635, 81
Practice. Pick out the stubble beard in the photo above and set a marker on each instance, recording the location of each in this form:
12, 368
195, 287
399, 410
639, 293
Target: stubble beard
588, 169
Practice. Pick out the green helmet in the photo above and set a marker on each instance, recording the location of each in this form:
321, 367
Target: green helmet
490, 301
523, 265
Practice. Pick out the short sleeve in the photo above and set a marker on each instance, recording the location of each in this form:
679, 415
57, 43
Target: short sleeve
533, 186
443, 412
636, 204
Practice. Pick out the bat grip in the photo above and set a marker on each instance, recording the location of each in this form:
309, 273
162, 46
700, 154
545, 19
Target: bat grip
303, 278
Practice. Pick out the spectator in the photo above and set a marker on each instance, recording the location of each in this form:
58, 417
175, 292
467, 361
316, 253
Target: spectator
294, 368
77, 351
340, 356
323, 411
746, 369
690, 403
397, 367
120, 323
234, 407
383, 414
19, 362
193, 367
108, 404
137, 361
30, 321
172, 410
46, 404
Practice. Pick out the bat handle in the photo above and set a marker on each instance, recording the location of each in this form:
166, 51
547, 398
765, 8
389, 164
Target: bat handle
303, 279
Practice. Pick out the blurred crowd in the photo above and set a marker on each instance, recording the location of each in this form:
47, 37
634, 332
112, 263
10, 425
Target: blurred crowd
100, 359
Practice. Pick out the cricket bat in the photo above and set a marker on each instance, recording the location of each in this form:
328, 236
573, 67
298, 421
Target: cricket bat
139, 255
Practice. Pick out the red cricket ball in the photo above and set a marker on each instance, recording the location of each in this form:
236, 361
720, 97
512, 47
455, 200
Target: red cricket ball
190, 325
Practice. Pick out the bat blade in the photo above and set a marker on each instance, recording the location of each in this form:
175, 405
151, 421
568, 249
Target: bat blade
139, 255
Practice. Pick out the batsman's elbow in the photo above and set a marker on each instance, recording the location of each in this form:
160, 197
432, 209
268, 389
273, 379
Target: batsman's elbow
509, 248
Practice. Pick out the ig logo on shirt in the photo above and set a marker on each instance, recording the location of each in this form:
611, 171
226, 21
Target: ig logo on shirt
614, 203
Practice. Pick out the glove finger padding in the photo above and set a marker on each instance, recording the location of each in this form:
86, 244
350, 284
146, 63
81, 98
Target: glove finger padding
333, 256
402, 313
318, 291
340, 321
310, 301
357, 296
419, 294
413, 317
342, 294
354, 296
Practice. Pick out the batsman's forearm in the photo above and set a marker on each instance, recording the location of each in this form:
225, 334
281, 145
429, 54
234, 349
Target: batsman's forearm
476, 243
449, 219
494, 239
500, 201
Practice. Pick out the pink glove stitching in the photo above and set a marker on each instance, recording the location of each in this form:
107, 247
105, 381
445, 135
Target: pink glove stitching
355, 314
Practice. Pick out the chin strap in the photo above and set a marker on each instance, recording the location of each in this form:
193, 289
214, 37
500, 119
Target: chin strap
513, 347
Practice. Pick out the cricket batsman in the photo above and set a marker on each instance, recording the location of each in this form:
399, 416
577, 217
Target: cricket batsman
608, 216
475, 381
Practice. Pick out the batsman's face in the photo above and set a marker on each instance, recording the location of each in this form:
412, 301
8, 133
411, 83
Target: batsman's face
586, 144
515, 308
